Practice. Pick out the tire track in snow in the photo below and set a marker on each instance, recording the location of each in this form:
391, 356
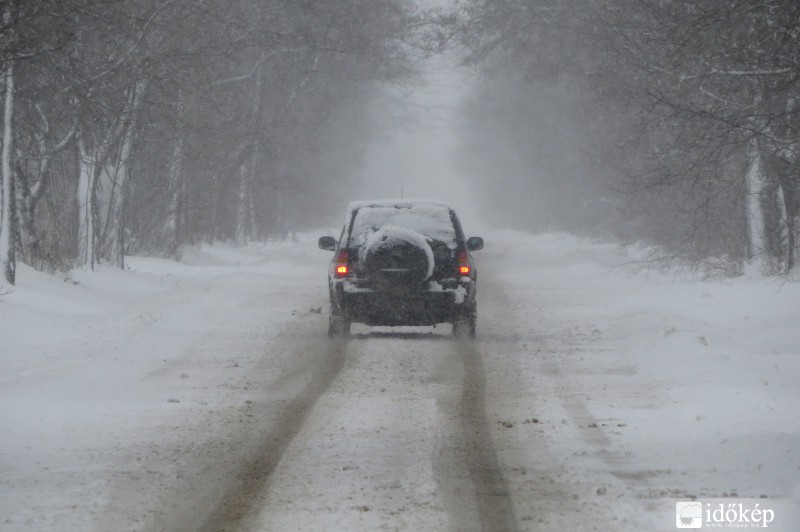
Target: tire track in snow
468, 470
254, 474
495, 510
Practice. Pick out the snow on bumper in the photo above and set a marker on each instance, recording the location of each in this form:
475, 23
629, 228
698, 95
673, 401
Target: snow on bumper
459, 293
439, 303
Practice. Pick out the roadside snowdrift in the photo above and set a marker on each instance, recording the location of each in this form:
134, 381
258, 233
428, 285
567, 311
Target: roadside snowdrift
116, 386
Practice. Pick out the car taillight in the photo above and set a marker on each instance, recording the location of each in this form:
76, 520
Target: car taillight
464, 267
342, 266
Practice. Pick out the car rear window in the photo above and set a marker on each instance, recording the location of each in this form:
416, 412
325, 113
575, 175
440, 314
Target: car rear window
432, 221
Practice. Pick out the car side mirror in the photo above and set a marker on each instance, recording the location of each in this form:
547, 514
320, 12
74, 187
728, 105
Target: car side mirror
474, 243
327, 243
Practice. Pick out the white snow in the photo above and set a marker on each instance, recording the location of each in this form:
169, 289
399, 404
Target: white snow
431, 219
611, 392
397, 203
645, 386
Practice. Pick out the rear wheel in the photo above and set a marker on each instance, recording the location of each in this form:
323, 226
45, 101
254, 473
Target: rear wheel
338, 326
465, 325
396, 264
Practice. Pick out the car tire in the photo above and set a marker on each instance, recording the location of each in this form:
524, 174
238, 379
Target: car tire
396, 254
338, 326
465, 326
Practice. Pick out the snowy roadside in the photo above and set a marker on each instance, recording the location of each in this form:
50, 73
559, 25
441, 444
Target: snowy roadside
115, 387
641, 389
608, 391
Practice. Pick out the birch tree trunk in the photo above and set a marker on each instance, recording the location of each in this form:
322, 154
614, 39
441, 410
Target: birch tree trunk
87, 214
244, 222
791, 196
8, 200
113, 238
245, 215
789, 181
176, 187
34, 182
93, 163
755, 185
246, 226
7, 251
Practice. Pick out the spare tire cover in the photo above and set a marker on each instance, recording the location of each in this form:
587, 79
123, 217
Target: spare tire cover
397, 257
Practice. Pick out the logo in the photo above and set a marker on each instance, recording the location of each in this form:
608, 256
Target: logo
689, 514
726, 513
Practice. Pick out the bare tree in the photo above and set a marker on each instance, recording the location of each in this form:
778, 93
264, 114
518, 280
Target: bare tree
684, 113
148, 125
7, 194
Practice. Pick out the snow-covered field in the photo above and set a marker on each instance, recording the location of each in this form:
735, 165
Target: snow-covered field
203, 394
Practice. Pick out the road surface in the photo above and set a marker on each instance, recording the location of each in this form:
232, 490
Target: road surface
207, 396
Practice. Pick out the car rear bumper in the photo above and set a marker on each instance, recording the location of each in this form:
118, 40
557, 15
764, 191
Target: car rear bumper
406, 307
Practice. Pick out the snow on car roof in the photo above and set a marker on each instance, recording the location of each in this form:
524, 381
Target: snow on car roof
427, 217
400, 203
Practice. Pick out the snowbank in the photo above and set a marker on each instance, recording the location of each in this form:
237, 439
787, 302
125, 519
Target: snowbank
621, 389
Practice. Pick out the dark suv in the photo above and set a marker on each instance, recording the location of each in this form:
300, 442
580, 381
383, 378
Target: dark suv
402, 262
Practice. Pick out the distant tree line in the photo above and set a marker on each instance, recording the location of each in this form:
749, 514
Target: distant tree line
675, 122
141, 126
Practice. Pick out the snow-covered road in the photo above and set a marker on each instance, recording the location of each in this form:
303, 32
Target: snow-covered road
205, 395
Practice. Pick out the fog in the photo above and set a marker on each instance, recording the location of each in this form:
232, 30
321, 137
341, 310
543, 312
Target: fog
142, 128
416, 156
